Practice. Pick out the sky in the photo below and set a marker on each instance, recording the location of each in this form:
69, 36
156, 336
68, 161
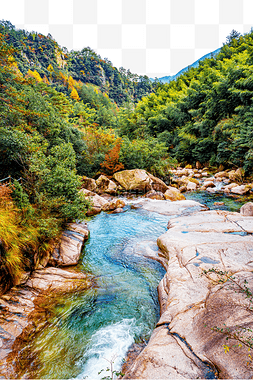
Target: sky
150, 37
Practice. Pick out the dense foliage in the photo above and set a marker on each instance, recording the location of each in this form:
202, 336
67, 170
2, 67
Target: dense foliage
206, 114
67, 115
56, 65
56, 125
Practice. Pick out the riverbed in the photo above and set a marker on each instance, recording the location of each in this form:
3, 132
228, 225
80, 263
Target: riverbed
90, 331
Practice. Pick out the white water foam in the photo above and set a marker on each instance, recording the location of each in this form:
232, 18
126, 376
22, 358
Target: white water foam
108, 344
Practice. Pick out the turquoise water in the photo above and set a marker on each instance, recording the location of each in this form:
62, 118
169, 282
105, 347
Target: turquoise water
88, 330
231, 203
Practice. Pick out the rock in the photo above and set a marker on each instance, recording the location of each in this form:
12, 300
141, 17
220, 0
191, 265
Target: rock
97, 202
211, 190
204, 174
21, 314
191, 186
236, 175
219, 204
208, 184
221, 175
182, 189
105, 185
71, 243
247, 209
135, 180
185, 344
157, 184
117, 211
114, 204
57, 280
198, 175
227, 188
198, 165
155, 195
173, 194
89, 183
183, 207
240, 190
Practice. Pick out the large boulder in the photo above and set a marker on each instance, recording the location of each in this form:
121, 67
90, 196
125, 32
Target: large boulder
157, 184
134, 180
247, 209
200, 301
89, 183
173, 194
105, 185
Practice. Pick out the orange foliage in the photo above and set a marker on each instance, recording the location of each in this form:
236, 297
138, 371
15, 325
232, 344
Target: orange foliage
111, 163
5, 197
98, 140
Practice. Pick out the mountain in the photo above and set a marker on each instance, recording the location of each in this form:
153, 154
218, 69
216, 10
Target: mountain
169, 78
57, 66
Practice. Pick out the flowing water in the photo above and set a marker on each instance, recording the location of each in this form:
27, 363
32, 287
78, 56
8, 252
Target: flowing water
88, 330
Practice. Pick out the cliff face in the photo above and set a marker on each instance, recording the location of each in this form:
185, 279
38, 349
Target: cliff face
205, 296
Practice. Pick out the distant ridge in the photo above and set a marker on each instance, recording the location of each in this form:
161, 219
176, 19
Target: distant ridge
168, 79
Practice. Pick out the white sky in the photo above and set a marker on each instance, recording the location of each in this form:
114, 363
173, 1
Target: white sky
152, 37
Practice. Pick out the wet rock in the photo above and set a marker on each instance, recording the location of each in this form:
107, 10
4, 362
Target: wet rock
117, 211
19, 315
191, 186
114, 204
155, 195
207, 184
247, 209
219, 204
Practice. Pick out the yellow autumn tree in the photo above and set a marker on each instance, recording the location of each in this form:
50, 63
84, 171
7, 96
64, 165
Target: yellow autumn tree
74, 94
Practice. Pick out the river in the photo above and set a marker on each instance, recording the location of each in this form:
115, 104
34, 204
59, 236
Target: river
88, 331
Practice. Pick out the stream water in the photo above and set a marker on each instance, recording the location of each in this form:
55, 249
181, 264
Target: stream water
89, 329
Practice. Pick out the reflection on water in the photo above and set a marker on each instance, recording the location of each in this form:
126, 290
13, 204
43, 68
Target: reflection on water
86, 330
231, 203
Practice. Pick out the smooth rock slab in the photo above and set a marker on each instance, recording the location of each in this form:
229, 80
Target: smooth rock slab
193, 302
167, 207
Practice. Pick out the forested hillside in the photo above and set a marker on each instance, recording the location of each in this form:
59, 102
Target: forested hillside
55, 65
65, 115
54, 129
206, 114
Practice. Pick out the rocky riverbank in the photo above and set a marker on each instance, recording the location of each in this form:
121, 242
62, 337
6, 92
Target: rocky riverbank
21, 312
205, 297
200, 251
